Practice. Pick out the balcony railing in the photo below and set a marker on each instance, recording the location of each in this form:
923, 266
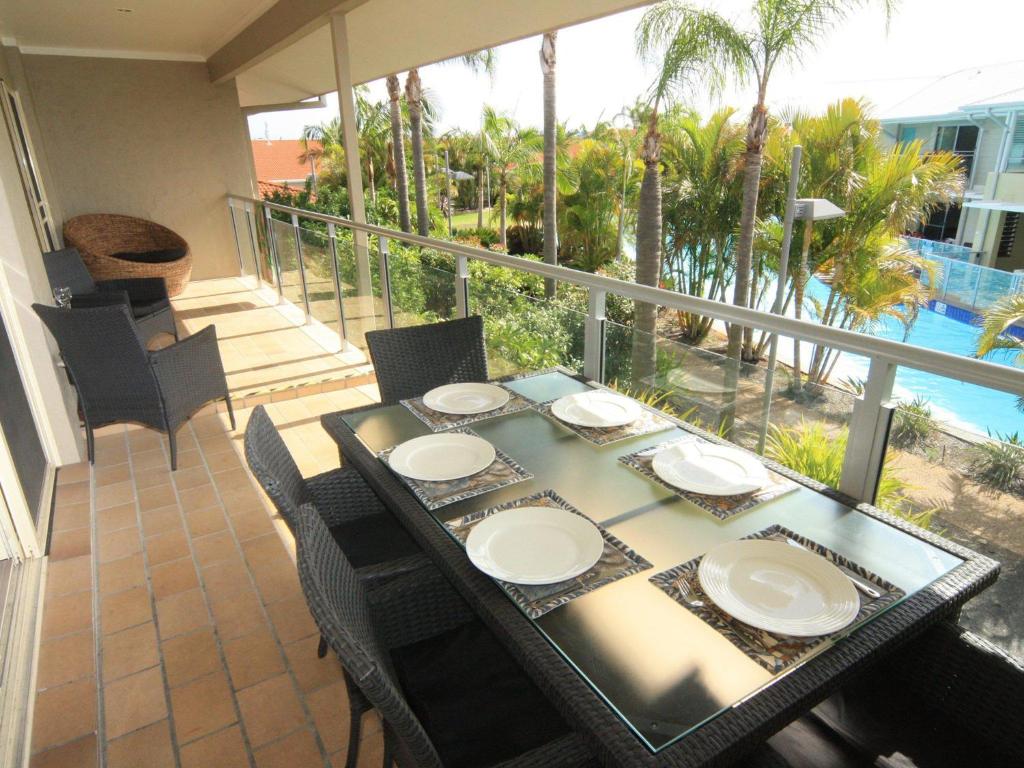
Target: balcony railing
342, 273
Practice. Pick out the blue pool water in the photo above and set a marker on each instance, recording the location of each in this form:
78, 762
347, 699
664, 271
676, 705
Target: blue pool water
964, 405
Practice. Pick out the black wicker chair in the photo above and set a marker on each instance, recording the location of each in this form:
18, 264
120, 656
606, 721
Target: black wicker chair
374, 541
147, 296
448, 691
411, 361
118, 379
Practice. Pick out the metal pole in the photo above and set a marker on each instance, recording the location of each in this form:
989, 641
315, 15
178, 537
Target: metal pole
250, 220
238, 245
385, 283
272, 246
594, 336
302, 268
780, 292
447, 189
331, 232
461, 286
869, 433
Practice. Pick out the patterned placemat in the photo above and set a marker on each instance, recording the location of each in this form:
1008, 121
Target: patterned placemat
439, 422
722, 507
774, 652
617, 561
504, 470
648, 423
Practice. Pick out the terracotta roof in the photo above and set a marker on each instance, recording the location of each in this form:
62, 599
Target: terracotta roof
280, 160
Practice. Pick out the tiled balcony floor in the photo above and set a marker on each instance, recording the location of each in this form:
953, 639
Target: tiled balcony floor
174, 630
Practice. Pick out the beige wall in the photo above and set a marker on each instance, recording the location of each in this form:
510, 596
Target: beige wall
153, 139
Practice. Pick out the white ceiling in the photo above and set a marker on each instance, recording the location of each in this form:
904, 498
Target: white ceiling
180, 29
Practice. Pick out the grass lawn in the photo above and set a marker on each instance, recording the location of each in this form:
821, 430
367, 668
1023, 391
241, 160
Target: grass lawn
467, 219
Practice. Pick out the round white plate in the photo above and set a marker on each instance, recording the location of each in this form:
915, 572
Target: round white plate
713, 470
778, 587
442, 457
534, 545
466, 398
596, 408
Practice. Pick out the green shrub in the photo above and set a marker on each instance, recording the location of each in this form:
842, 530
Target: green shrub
912, 424
999, 462
813, 451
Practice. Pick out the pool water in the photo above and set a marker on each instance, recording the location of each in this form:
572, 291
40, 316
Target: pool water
963, 405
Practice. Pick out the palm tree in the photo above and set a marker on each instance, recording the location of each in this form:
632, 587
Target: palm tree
702, 43
398, 152
509, 147
996, 320
479, 61
547, 65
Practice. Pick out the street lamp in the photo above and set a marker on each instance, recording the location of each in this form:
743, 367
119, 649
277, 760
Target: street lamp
808, 210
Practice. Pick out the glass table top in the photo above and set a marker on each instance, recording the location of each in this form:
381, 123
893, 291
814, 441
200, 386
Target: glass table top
659, 666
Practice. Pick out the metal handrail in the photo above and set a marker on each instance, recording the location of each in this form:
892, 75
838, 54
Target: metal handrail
974, 371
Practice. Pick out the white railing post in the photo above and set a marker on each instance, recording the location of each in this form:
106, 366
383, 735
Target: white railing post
275, 263
254, 243
594, 336
461, 286
238, 243
333, 242
302, 267
385, 283
868, 438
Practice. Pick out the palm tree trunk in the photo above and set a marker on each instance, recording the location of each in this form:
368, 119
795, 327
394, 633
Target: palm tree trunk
648, 254
373, 182
502, 189
398, 153
413, 97
547, 65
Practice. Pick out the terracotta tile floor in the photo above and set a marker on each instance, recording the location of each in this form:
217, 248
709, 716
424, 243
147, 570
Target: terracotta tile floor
174, 629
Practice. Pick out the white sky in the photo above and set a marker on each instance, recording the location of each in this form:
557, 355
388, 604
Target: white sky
598, 72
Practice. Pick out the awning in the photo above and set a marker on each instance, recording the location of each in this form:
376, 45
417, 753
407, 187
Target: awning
995, 205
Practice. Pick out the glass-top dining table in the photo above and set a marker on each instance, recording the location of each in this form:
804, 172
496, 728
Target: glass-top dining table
652, 682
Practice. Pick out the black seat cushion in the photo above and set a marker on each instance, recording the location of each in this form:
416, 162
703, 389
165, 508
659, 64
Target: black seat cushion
147, 308
373, 539
161, 256
476, 704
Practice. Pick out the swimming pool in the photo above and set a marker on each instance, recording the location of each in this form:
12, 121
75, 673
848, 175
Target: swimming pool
963, 405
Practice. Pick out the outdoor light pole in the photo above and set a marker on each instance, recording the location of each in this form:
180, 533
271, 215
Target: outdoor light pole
808, 210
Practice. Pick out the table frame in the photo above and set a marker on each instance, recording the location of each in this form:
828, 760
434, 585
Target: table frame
737, 730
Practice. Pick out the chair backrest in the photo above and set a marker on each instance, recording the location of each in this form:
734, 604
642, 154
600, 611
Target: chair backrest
338, 602
108, 363
272, 464
65, 269
411, 361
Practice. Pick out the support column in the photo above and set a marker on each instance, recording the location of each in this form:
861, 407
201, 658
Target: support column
353, 166
868, 438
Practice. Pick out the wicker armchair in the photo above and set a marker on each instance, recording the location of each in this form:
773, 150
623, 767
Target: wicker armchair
118, 379
147, 297
99, 236
411, 361
370, 535
448, 691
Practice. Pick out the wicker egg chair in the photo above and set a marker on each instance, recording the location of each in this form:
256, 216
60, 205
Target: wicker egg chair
99, 236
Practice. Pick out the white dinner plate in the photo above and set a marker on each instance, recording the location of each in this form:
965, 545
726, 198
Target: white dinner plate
534, 545
710, 469
442, 457
778, 587
596, 408
468, 398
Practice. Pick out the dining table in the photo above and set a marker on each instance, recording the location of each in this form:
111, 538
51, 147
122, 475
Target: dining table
647, 676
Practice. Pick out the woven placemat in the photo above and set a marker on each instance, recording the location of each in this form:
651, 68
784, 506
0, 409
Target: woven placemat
439, 422
504, 470
774, 652
648, 423
617, 561
722, 507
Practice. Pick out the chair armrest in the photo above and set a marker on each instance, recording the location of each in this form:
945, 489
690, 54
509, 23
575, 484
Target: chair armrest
140, 290
569, 751
416, 606
99, 299
190, 374
341, 495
